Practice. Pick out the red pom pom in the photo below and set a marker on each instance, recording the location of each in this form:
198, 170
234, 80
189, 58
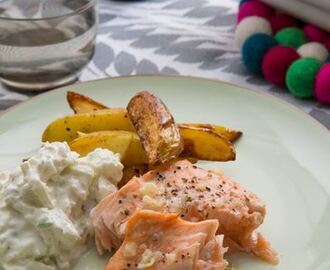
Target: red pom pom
276, 63
322, 85
281, 21
254, 8
314, 33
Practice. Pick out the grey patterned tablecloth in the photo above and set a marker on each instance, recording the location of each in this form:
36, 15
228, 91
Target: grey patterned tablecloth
188, 37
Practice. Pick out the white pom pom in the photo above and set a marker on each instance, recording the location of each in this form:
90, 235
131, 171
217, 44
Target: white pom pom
249, 26
314, 50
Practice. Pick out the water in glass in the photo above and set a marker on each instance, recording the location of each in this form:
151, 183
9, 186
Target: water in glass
44, 44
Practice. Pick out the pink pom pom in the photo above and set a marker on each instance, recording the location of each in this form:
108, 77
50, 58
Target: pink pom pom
254, 8
315, 33
322, 85
281, 21
276, 63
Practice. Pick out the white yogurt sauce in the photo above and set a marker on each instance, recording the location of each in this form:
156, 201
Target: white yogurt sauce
44, 206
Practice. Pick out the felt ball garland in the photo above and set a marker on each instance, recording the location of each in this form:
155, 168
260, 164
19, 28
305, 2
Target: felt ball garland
322, 86
284, 50
314, 50
291, 36
276, 63
249, 26
301, 76
254, 8
243, 1
254, 49
327, 43
281, 21
315, 33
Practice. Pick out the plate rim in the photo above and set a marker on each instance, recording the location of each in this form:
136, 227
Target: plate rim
253, 90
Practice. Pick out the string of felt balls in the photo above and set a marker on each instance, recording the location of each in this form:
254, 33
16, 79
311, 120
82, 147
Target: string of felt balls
284, 50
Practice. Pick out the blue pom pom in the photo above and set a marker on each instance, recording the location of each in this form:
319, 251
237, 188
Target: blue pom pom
254, 49
242, 2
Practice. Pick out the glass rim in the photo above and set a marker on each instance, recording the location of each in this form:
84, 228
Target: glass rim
74, 12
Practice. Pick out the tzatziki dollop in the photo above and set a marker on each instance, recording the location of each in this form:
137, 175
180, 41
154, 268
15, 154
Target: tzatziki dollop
45, 203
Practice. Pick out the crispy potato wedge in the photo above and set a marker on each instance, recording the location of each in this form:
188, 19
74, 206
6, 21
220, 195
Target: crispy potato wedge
66, 128
135, 154
82, 104
230, 134
155, 126
129, 147
117, 141
204, 144
126, 143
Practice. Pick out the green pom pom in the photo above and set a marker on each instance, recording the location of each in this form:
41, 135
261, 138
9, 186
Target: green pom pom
291, 36
301, 75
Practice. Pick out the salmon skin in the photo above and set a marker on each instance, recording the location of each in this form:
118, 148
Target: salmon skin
195, 195
160, 241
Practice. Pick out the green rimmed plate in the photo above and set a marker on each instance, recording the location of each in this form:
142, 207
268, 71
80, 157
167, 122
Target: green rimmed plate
283, 156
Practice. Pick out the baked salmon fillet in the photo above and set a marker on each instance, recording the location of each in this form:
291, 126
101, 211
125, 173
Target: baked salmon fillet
195, 195
160, 241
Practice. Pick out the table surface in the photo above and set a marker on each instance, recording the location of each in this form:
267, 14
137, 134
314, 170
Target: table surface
181, 37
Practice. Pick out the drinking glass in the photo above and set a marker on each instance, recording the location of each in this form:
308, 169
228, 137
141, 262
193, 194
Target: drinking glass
45, 43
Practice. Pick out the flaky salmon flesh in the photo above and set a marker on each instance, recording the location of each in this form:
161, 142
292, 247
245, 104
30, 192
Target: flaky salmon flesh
160, 241
195, 195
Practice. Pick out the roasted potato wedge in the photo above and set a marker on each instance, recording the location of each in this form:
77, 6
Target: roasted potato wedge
135, 154
97, 119
204, 144
230, 134
82, 104
117, 141
126, 143
155, 126
66, 128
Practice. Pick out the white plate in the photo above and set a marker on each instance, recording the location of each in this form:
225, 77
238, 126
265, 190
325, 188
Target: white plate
283, 156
